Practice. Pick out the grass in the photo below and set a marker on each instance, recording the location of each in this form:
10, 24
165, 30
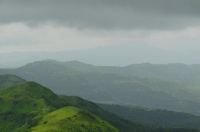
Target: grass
32, 107
72, 119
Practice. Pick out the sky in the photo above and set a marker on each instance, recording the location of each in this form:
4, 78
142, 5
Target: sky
102, 32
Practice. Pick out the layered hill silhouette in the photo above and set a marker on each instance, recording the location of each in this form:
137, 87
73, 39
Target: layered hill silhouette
9, 80
154, 117
171, 86
28, 106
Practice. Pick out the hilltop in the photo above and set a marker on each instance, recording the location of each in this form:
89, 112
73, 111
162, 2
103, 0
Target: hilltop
30, 106
25, 107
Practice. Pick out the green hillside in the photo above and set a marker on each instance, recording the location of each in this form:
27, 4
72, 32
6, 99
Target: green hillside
23, 106
72, 119
173, 87
28, 106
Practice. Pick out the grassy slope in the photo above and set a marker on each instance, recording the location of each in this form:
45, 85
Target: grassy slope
72, 119
21, 106
24, 105
30, 106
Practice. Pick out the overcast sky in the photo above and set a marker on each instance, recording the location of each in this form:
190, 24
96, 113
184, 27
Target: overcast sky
103, 32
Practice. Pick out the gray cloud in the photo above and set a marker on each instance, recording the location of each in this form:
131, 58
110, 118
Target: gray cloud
104, 14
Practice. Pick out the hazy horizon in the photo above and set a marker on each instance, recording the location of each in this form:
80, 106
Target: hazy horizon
94, 64
101, 32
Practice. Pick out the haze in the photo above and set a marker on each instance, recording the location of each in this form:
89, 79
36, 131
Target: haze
102, 32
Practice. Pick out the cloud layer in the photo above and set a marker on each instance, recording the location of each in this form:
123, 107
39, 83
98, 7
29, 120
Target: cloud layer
18, 37
104, 14
115, 31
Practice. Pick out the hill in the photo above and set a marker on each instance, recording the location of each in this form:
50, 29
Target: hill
24, 106
154, 117
29, 106
72, 119
172, 86
9, 80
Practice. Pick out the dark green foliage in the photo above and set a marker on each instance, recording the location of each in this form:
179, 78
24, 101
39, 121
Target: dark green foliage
154, 117
23, 106
120, 123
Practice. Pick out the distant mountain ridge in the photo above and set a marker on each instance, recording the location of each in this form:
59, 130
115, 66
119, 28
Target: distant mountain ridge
172, 86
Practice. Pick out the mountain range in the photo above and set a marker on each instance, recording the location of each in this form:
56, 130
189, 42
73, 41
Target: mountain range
172, 87
30, 107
